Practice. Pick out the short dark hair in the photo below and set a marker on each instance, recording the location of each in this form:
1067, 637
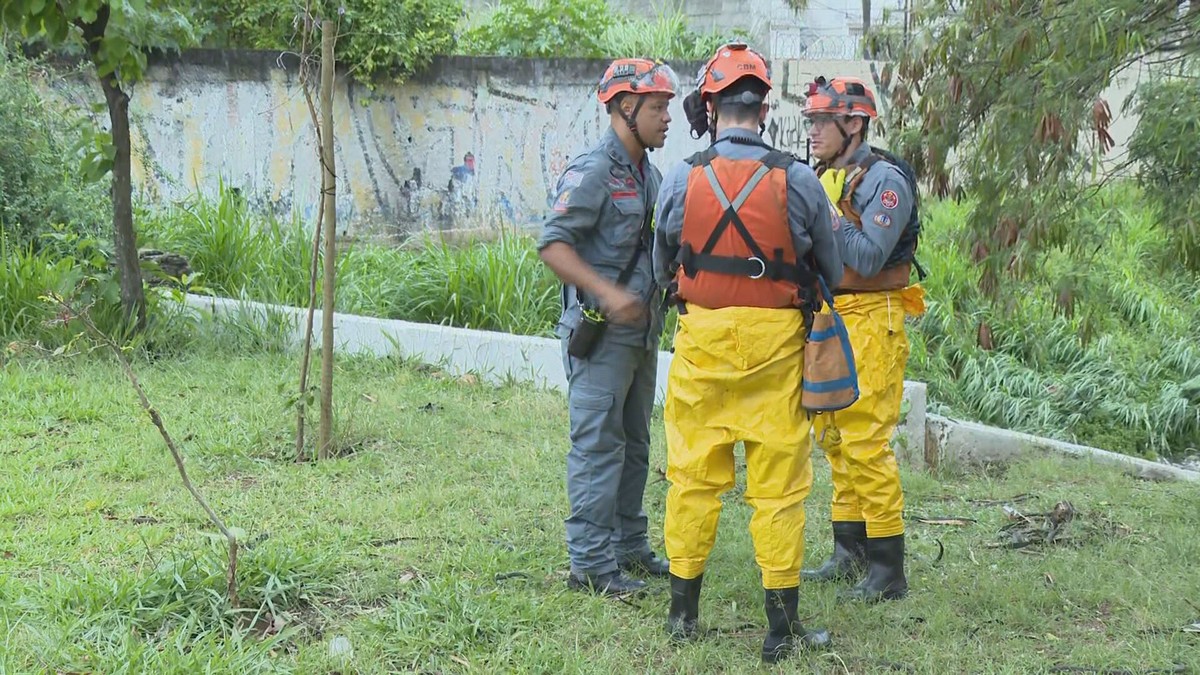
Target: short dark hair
734, 105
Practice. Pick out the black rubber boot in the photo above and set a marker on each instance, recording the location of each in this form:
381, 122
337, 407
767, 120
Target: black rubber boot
682, 621
785, 633
849, 556
885, 572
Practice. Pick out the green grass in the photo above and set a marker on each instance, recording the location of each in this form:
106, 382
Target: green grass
107, 566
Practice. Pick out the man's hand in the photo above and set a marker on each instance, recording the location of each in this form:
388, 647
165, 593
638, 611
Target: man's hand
622, 307
619, 306
834, 182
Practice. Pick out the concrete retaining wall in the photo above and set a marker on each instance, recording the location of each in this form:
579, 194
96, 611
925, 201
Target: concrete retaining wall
923, 441
472, 142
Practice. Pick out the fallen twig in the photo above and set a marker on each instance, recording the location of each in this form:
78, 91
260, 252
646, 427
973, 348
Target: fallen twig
946, 520
512, 575
1176, 668
997, 502
156, 418
1036, 529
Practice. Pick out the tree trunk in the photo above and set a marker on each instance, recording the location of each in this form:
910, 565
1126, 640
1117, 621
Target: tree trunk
133, 299
329, 192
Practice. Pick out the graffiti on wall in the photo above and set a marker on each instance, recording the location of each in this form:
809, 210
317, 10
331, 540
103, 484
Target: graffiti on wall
473, 149
787, 132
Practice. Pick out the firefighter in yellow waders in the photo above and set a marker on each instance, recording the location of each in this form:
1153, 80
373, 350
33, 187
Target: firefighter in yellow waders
741, 231
877, 232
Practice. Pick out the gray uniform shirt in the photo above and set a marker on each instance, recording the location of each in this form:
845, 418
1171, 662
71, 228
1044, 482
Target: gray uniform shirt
600, 205
810, 215
885, 202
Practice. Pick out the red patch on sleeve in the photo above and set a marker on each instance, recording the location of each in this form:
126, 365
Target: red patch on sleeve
889, 199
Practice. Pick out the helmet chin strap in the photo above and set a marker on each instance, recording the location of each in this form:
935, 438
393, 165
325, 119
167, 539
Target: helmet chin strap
846, 139
631, 122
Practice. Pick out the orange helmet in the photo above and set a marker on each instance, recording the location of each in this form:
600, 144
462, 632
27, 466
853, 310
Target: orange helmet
731, 63
848, 96
637, 76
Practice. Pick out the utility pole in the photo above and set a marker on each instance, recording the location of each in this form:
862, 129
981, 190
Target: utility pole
866, 30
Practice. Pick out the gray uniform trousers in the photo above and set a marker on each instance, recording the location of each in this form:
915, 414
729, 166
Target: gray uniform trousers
611, 397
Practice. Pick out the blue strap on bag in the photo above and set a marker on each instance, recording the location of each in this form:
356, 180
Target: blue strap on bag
830, 380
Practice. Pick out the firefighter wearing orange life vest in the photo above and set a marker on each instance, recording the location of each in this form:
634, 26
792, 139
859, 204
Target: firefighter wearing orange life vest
877, 229
742, 230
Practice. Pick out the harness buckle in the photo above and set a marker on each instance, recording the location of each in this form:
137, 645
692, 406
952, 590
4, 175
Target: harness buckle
762, 267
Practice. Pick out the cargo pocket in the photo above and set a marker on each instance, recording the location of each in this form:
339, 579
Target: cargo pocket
588, 412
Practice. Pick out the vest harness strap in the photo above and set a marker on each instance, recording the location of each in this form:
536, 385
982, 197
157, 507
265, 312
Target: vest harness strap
757, 266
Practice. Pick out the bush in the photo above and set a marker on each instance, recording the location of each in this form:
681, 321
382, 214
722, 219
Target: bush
375, 37
1166, 143
586, 29
666, 37
78, 268
545, 28
1093, 348
39, 181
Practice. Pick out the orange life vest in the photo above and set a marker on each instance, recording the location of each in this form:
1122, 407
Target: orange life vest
737, 251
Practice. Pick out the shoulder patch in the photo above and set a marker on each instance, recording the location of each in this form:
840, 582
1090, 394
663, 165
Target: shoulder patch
883, 219
572, 179
889, 199
564, 199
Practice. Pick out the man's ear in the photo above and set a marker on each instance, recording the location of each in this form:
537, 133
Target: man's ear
627, 104
854, 125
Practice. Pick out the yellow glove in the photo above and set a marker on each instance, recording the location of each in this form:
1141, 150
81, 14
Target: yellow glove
834, 181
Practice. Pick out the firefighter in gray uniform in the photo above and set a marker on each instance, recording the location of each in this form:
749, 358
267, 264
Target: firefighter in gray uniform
597, 241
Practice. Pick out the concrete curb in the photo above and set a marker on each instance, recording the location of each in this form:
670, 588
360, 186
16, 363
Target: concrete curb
923, 441
972, 444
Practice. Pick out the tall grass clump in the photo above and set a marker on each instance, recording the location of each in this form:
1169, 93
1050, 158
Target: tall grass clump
79, 268
236, 251
490, 286
665, 36
500, 285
